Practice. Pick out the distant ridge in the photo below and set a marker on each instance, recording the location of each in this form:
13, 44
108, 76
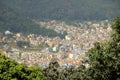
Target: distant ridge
66, 9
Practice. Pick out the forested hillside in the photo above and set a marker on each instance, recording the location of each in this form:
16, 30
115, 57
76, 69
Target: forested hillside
66, 9
11, 20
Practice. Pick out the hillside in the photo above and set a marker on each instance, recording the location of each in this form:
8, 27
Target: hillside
66, 9
13, 21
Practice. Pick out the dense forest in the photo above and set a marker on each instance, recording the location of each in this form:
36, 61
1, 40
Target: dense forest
11, 20
66, 9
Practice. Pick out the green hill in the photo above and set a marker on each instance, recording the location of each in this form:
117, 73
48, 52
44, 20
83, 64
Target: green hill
13, 21
66, 9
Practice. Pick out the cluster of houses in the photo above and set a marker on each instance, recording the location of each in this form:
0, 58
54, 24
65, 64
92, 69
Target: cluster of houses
67, 51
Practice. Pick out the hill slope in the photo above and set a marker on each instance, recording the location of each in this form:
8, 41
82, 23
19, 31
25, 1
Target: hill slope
66, 9
13, 21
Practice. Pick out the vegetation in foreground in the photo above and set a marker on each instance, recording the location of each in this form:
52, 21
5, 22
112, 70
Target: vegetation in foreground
11, 70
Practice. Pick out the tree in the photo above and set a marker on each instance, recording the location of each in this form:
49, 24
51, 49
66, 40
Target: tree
52, 71
55, 72
35, 73
104, 59
11, 70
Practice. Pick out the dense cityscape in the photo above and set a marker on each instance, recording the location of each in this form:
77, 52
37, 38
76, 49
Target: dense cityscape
41, 50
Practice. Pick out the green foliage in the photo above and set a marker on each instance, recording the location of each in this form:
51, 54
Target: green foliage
35, 73
104, 59
116, 25
54, 72
11, 70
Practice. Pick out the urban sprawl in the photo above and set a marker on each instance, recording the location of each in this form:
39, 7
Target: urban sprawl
68, 51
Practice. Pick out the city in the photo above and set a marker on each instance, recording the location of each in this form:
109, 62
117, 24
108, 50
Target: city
68, 51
